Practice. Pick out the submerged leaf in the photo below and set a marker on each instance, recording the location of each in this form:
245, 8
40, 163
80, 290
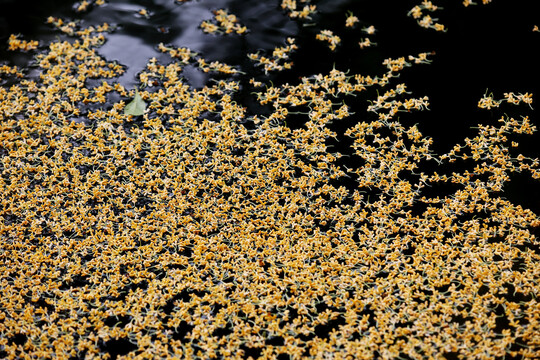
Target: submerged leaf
136, 107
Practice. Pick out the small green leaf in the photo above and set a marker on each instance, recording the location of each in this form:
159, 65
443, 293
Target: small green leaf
136, 107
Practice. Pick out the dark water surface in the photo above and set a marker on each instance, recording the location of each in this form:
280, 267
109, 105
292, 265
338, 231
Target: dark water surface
487, 48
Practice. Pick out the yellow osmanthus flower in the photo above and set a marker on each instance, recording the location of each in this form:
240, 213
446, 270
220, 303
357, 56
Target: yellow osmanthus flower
144, 12
351, 20
370, 30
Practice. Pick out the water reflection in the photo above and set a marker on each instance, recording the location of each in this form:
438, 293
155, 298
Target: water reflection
136, 37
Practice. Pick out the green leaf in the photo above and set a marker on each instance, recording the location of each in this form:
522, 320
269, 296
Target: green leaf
136, 107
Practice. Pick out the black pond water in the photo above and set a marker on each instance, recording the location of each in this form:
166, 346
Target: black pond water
488, 48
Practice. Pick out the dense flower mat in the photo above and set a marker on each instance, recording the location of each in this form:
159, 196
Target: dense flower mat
198, 230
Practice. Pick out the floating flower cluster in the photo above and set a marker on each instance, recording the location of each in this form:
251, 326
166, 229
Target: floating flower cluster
187, 56
329, 37
418, 12
278, 61
216, 66
366, 42
184, 54
294, 11
470, 2
223, 23
487, 101
14, 44
11, 70
73, 28
425, 20
85, 5
198, 230
350, 22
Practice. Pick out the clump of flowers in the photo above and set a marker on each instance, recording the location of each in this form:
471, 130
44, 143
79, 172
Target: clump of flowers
425, 20
470, 2
66, 27
223, 23
216, 66
278, 60
73, 28
488, 102
85, 5
293, 9
11, 70
14, 43
366, 42
418, 12
185, 55
329, 37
